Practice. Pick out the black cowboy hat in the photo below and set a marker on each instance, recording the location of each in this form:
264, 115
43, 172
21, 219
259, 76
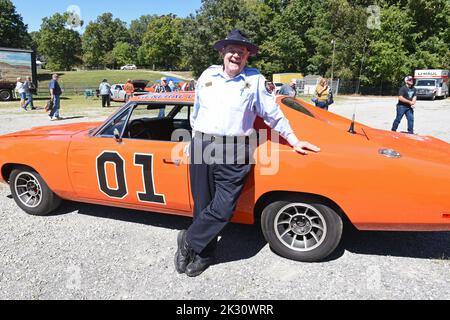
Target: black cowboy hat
239, 38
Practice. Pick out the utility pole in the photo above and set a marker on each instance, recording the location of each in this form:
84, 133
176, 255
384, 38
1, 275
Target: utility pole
332, 63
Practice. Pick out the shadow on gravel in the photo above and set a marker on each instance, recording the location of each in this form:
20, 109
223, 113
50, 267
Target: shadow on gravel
237, 241
240, 241
421, 245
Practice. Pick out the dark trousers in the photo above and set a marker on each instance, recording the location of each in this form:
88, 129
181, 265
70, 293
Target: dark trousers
409, 113
322, 104
106, 100
215, 187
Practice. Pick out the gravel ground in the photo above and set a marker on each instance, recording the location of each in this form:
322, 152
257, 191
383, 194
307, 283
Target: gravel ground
95, 252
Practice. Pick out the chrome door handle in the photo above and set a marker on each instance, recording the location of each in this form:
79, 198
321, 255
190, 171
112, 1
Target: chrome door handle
172, 161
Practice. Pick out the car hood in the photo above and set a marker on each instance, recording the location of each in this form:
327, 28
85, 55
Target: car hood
58, 130
410, 145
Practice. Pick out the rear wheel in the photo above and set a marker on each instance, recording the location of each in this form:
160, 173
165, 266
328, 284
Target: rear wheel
5, 95
31, 193
302, 230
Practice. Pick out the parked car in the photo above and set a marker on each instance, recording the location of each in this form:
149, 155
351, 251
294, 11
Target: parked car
128, 67
374, 179
118, 93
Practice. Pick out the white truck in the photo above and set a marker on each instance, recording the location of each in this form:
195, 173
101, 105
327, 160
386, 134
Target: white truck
432, 83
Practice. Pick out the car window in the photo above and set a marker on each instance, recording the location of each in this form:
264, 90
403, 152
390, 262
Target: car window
116, 123
150, 122
293, 104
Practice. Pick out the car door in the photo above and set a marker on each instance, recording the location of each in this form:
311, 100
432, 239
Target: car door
137, 172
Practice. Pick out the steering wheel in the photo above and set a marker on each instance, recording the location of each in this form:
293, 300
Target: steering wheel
137, 129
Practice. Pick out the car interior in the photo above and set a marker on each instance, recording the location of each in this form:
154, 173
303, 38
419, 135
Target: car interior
150, 122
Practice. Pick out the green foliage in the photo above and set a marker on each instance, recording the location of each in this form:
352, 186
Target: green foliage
13, 32
138, 28
376, 41
60, 45
100, 38
161, 44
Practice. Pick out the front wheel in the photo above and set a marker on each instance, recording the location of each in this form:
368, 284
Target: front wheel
303, 230
31, 193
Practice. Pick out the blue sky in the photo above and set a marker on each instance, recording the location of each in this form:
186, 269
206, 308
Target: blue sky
32, 11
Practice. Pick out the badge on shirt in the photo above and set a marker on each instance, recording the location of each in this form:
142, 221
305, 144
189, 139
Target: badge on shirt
208, 84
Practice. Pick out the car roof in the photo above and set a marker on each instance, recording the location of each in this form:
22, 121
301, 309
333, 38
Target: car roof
166, 97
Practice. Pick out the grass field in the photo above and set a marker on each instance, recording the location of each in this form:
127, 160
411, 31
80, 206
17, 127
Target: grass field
77, 81
73, 105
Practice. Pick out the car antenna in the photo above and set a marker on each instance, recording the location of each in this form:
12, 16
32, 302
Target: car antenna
352, 125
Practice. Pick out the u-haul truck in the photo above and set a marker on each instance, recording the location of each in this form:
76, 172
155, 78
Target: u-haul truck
431, 83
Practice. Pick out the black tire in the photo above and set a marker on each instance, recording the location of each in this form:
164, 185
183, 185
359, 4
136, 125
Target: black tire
433, 97
304, 223
31, 193
5, 95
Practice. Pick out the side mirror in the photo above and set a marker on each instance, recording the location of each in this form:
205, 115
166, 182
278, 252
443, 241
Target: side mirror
117, 135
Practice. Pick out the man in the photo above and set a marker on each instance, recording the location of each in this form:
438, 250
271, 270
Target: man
407, 97
29, 87
105, 92
129, 89
227, 100
289, 89
163, 87
55, 94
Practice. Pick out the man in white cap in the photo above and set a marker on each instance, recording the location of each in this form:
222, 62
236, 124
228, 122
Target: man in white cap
228, 98
407, 97
289, 89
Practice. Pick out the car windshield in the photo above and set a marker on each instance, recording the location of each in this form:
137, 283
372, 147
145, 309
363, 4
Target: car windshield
293, 104
426, 83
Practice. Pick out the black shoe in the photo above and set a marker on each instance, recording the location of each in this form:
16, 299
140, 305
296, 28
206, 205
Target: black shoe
184, 254
198, 265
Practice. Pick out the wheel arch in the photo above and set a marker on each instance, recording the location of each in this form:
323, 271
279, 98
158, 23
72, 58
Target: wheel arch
9, 167
271, 196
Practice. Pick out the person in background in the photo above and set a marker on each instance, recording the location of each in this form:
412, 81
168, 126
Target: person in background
407, 98
321, 94
289, 89
105, 92
55, 94
21, 92
29, 87
163, 87
171, 85
129, 89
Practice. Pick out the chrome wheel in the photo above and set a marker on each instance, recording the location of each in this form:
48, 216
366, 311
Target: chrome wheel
300, 227
28, 189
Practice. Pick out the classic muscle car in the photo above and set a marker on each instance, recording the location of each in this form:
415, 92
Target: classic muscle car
373, 179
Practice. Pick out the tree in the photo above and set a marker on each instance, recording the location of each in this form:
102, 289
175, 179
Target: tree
161, 44
13, 32
389, 59
138, 28
214, 20
60, 45
100, 38
123, 53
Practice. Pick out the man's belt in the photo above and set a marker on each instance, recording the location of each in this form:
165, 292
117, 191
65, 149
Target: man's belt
222, 139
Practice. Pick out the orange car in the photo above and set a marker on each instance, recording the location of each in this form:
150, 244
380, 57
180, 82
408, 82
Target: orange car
375, 179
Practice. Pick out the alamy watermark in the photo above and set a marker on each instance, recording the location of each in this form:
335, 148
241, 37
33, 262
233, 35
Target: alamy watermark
257, 148
374, 19
74, 16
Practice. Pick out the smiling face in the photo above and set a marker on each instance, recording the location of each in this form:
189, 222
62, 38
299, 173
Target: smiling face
234, 59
